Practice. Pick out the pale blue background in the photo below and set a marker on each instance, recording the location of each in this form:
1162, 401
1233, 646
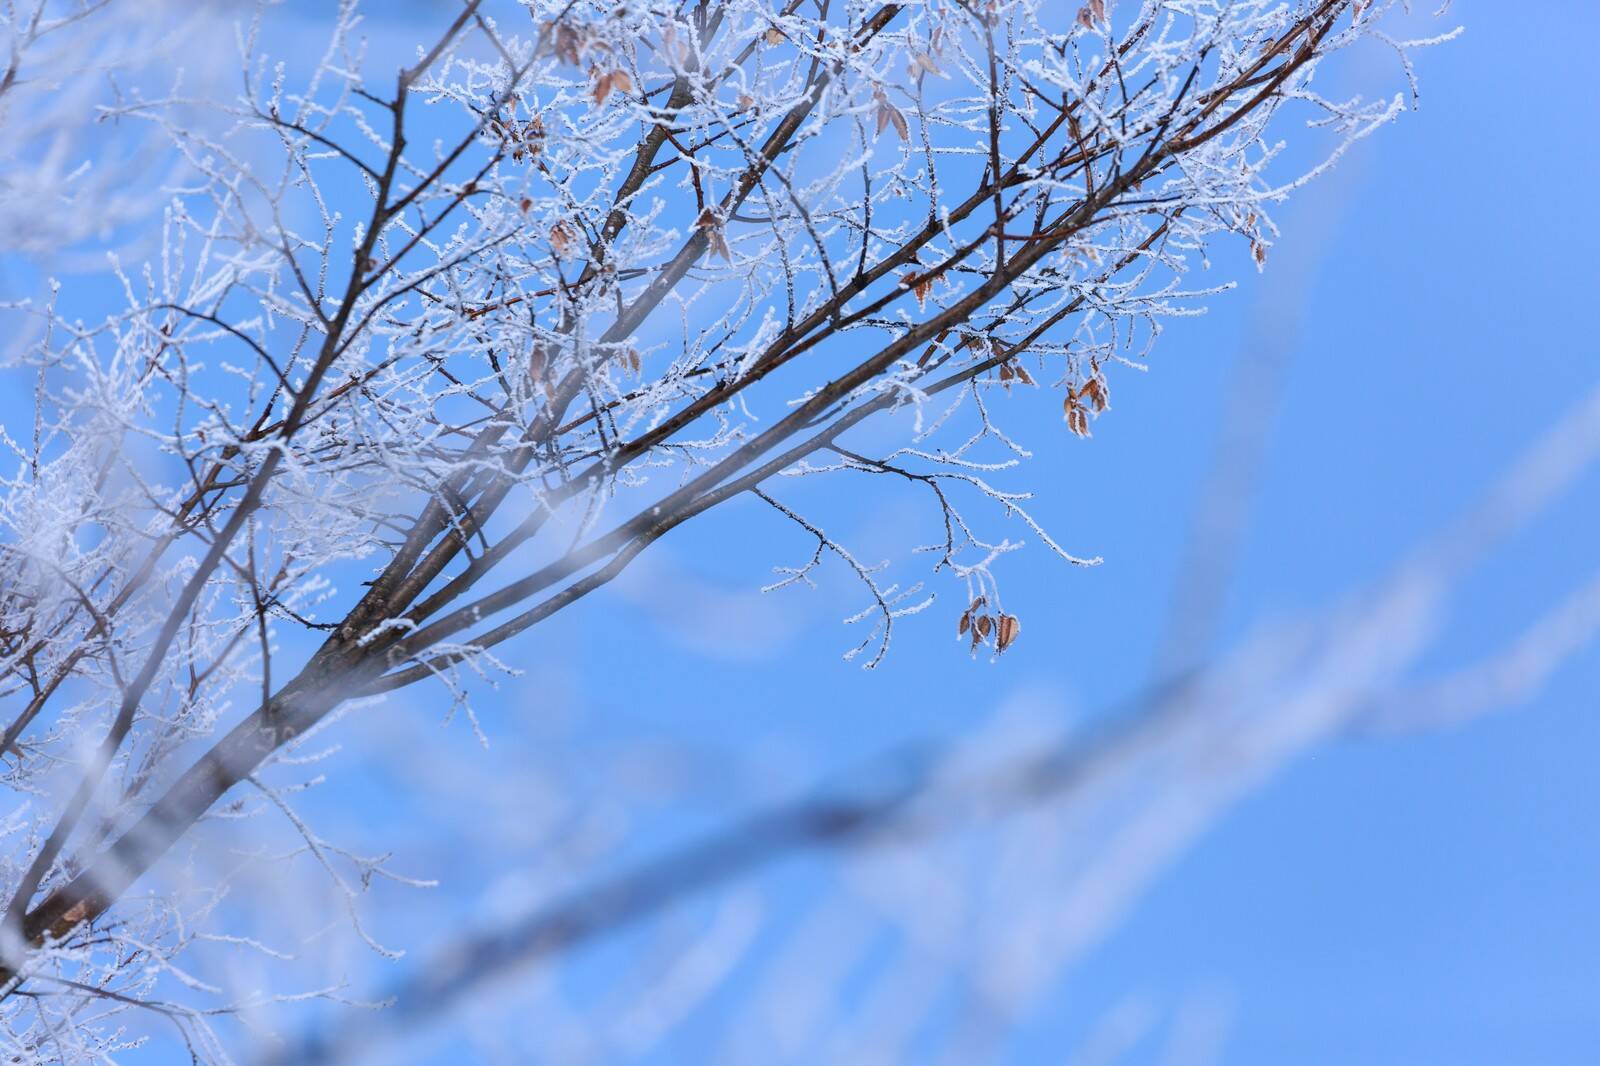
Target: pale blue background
1429, 899
1421, 900
1425, 900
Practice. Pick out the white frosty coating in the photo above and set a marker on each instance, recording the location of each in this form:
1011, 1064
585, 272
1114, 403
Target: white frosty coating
429, 332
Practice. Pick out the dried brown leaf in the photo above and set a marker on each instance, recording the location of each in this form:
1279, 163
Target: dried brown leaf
1007, 631
921, 286
900, 126
561, 237
1095, 391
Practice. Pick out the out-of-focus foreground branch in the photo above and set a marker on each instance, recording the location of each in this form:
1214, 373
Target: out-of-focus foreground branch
1129, 793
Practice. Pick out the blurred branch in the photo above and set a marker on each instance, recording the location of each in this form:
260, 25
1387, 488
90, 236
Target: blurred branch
1214, 733
1251, 398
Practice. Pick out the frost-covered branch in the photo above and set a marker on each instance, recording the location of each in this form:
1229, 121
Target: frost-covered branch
422, 358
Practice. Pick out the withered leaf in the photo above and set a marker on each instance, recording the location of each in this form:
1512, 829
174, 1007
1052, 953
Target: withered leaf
921, 285
606, 83
712, 225
900, 126
561, 236
889, 115
1007, 631
1094, 390
562, 40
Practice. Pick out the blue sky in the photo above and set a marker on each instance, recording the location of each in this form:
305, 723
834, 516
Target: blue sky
1427, 898
1421, 899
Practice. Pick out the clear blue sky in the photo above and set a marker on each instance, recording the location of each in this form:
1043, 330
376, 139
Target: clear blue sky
1421, 900
1416, 900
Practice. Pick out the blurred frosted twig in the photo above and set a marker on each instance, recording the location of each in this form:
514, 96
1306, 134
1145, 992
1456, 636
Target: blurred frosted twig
1097, 814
